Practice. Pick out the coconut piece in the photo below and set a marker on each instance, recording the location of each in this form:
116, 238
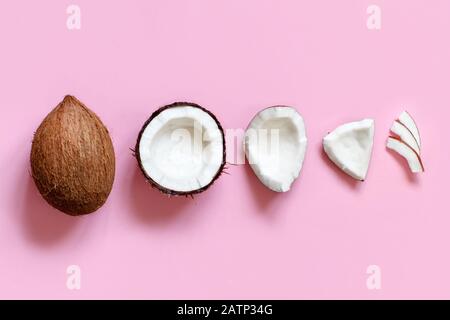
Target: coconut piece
275, 146
72, 159
411, 156
181, 149
405, 135
406, 119
350, 145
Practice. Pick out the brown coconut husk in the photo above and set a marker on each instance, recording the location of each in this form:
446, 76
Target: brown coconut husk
72, 159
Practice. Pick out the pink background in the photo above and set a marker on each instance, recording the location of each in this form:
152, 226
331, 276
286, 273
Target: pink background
235, 57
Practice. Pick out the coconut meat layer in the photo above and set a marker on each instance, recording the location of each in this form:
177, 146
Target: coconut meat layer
181, 149
349, 146
275, 145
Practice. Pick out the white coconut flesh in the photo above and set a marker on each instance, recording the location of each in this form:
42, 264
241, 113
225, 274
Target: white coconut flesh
405, 135
182, 149
411, 156
350, 145
275, 146
406, 119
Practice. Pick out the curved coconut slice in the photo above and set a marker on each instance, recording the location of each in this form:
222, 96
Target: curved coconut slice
406, 119
413, 158
403, 132
349, 146
181, 149
275, 146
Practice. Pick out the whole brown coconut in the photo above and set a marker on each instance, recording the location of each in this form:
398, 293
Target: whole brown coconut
72, 159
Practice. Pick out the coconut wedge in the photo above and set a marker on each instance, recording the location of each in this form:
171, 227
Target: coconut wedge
181, 149
406, 119
405, 135
275, 146
413, 158
350, 145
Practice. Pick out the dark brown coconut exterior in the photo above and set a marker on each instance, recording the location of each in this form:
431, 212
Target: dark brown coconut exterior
157, 185
72, 159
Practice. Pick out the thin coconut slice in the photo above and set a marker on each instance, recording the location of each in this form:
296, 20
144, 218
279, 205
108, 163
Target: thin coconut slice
275, 146
405, 135
350, 145
181, 149
413, 158
406, 119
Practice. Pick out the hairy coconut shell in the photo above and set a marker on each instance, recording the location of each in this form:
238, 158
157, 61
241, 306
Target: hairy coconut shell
72, 159
155, 184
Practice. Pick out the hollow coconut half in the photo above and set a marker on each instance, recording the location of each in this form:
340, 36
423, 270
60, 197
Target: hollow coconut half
181, 149
350, 145
275, 145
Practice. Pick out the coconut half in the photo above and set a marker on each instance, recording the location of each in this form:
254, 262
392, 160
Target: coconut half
181, 149
350, 145
275, 146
